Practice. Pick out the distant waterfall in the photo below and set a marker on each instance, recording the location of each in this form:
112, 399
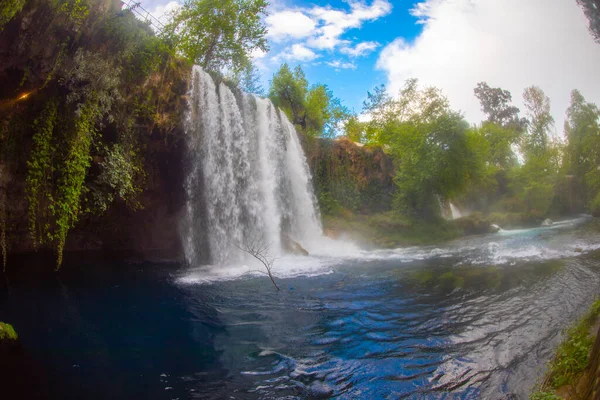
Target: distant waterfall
454, 211
248, 177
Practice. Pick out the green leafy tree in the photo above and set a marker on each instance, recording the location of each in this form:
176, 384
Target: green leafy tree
537, 106
355, 129
533, 182
288, 91
324, 112
219, 35
316, 110
582, 152
435, 153
496, 105
250, 81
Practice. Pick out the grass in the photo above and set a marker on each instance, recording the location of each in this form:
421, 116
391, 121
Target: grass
7, 332
571, 357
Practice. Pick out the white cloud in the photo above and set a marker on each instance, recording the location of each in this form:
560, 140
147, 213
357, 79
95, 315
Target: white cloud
361, 49
289, 24
298, 52
337, 64
257, 54
333, 23
510, 44
162, 11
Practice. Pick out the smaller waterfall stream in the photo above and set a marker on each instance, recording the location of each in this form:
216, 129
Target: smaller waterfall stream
248, 176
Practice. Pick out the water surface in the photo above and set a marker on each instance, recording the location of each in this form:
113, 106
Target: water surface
475, 318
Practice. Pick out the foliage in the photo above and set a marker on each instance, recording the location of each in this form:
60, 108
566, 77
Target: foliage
40, 169
592, 12
544, 396
347, 176
250, 81
495, 104
7, 332
219, 35
582, 151
537, 106
288, 91
572, 355
8, 9
324, 112
78, 124
435, 153
116, 179
355, 129
315, 110
501, 141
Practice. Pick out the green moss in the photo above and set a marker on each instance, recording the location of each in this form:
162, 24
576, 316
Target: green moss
8, 9
7, 332
571, 356
544, 396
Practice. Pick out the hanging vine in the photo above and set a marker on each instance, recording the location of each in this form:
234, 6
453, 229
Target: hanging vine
40, 169
66, 205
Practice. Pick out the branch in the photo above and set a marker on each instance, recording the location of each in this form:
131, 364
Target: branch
259, 250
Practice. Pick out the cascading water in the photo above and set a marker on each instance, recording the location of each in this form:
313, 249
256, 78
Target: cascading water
454, 211
248, 177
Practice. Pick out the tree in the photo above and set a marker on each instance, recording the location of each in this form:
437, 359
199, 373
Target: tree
533, 182
433, 149
495, 104
288, 91
219, 35
541, 121
591, 9
324, 112
354, 129
582, 153
316, 110
259, 250
250, 81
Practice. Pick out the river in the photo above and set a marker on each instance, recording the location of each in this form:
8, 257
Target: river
474, 318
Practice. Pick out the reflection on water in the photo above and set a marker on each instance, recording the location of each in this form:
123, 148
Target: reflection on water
476, 318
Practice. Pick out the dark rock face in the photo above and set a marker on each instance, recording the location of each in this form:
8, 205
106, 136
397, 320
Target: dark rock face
350, 175
152, 231
30, 46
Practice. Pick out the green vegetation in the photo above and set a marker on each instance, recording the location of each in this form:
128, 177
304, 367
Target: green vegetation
80, 129
572, 355
8, 9
219, 35
314, 110
7, 332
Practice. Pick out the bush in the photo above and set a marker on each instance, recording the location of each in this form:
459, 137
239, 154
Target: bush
7, 332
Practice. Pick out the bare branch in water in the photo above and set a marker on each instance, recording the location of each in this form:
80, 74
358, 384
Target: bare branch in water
259, 250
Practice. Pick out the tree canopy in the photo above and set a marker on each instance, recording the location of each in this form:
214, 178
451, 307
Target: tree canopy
219, 35
315, 110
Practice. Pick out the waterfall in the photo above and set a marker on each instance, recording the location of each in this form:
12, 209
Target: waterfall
248, 178
454, 211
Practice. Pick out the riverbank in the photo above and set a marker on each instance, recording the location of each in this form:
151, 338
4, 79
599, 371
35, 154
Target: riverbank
574, 371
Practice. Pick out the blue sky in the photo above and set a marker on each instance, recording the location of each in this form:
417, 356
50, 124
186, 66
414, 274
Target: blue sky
350, 76
355, 45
